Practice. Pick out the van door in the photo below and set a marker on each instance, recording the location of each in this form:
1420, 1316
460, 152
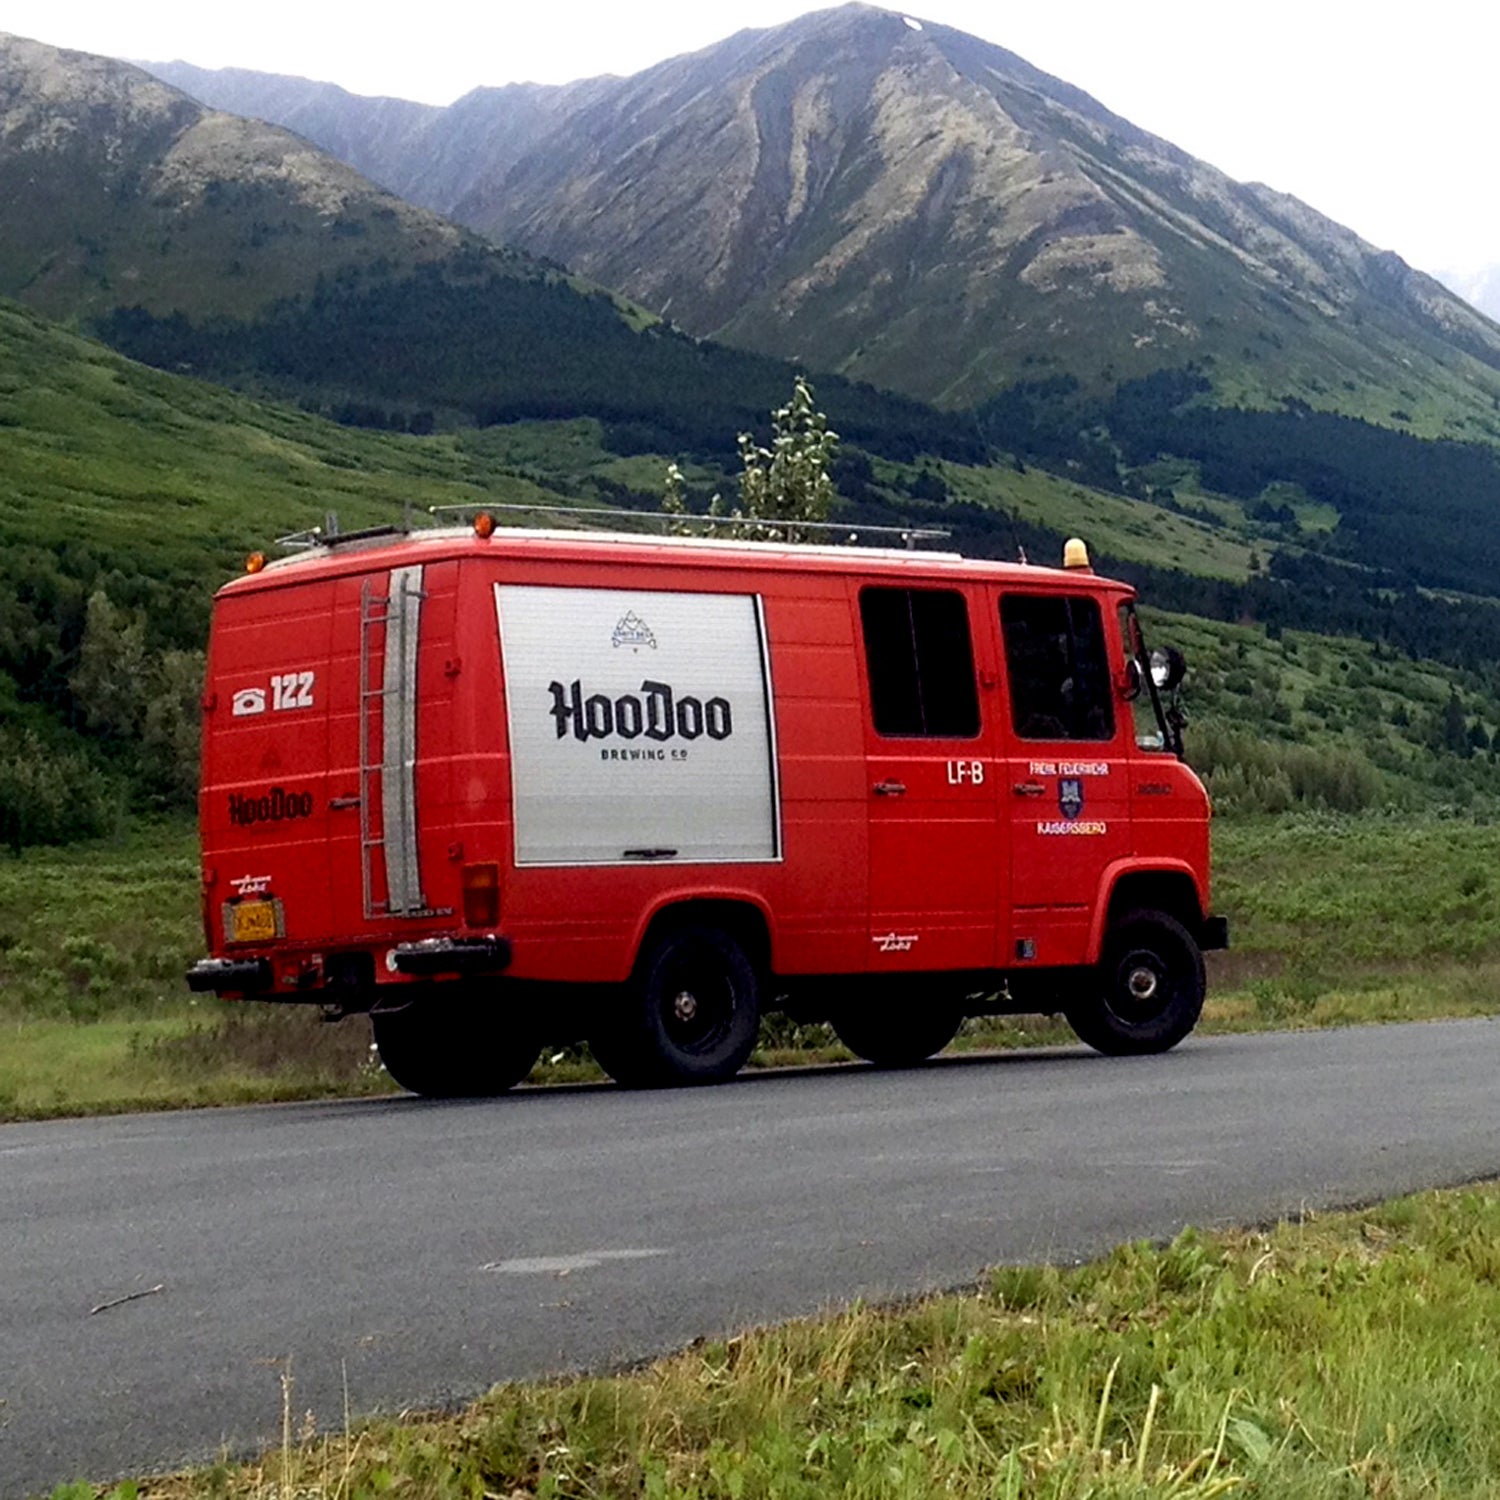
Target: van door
1066, 773
936, 879
264, 804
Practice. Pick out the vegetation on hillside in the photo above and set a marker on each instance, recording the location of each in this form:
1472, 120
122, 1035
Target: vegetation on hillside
131, 494
1403, 512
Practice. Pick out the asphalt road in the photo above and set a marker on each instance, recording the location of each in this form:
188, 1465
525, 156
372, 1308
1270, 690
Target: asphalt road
429, 1249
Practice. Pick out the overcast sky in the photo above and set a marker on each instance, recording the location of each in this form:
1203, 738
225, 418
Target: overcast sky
1383, 118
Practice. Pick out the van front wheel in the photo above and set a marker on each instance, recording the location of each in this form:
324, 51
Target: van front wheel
1147, 992
691, 1014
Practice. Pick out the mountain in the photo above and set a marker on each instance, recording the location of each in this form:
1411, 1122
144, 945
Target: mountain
1479, 287
120, 190
202, 241
914, 207
430, 156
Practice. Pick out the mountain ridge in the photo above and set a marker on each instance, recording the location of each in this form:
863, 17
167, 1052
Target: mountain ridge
232, 248
915, 207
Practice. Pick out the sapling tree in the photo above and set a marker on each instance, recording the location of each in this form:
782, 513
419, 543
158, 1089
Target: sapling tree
780, 486
789, 481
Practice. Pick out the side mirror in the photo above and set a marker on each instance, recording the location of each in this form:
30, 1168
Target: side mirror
1168, 668
1130, 681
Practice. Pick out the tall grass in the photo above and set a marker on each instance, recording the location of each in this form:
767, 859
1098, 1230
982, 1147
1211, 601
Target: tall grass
1323, 1359
1336, 919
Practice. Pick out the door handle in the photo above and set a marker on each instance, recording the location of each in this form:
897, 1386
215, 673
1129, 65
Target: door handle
890, 788
1029, 789
338, 804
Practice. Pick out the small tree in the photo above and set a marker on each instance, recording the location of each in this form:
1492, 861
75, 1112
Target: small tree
169, 728
109, 684
780, 485
789, 481
674, 502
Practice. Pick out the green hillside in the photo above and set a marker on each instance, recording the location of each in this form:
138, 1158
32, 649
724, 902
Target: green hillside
224, 247
132, 493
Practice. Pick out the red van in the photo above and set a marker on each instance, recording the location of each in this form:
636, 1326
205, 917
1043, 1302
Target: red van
500, 787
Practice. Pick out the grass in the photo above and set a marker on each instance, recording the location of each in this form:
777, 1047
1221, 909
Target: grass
1347, 1355
1335, 921
1134, 530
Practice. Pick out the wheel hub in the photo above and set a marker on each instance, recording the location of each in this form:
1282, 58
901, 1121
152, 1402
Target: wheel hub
685, 1006
1142, 983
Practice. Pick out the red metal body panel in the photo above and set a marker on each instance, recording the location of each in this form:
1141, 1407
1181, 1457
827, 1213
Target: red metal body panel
956, 863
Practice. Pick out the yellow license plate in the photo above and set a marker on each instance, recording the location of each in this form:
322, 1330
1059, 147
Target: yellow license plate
253, 921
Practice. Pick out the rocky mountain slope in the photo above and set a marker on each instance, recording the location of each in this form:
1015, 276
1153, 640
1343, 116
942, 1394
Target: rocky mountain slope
204, 241
1478, 287
917, 208
120, 189
431, 156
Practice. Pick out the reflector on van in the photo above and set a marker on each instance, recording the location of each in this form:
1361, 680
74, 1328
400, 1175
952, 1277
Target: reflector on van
481, 885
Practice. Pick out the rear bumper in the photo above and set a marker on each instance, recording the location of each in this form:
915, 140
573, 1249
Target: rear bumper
1214, 934
245, 976
452, 956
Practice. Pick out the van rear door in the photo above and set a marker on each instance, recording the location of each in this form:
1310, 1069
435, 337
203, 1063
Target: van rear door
264, 804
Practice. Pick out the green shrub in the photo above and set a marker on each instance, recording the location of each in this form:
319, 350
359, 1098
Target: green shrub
1249, 774
50, 795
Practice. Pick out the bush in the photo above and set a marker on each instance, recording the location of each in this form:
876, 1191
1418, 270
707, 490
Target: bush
1246, 774
50, 796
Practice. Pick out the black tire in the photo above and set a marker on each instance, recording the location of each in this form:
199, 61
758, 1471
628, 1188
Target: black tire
896, 1033
455, 1047
1148, 990
690, 1014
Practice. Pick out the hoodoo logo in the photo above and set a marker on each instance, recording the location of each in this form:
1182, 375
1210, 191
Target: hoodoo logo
276, 806
657, 713
641, 725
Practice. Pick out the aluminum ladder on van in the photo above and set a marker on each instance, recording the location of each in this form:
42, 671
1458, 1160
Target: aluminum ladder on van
391, 778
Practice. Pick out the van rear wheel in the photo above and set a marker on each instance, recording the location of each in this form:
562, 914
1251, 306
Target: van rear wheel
455, 1047
897, 1034
691, 1013
1147, 992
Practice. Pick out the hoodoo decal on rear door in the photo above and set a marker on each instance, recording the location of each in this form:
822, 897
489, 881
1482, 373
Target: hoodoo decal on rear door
640, 726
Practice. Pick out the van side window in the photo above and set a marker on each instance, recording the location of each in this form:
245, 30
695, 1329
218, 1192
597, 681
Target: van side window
1060, 685
921, 663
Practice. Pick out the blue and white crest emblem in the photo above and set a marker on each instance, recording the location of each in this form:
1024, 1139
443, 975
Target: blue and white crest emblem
1070, 796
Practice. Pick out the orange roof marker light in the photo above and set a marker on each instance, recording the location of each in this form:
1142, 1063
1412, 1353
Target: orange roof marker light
1076, 555
255, 562
484, 525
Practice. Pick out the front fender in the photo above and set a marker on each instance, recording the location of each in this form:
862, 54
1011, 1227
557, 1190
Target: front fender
1121, 869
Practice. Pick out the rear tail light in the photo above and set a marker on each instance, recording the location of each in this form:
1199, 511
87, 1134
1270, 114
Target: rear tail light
482, 895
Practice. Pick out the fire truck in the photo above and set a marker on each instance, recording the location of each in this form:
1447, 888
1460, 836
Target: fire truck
500, 787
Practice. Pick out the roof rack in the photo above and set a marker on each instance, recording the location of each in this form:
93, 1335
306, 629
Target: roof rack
329, 535
774, 531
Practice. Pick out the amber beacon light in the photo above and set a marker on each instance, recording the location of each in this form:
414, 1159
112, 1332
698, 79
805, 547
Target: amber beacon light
255, 562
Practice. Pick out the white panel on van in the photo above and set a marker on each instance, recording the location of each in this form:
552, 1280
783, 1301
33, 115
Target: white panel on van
641, 726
